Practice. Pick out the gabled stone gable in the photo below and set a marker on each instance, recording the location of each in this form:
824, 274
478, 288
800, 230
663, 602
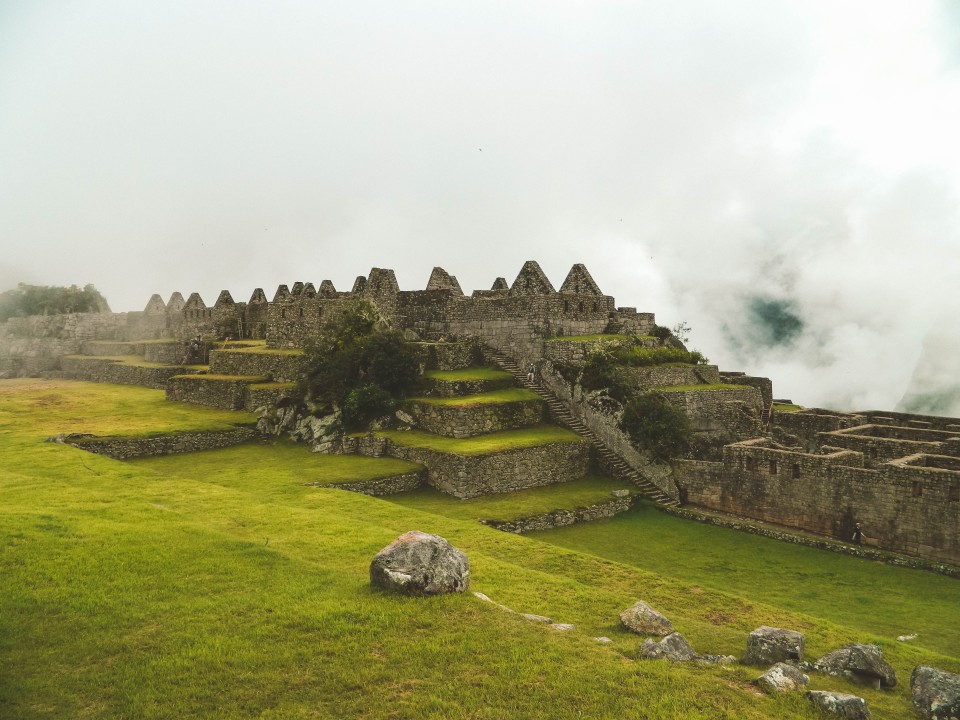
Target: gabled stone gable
224, 298
440, 279
579, 282
282, 294
176, 303
258, 297
155, 305
531, 281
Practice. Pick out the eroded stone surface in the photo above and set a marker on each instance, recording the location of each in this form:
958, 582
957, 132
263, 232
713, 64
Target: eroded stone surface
673, 647
936, 694
849, 707
861, 663
643, 619
418, 563
769, 645
782, 678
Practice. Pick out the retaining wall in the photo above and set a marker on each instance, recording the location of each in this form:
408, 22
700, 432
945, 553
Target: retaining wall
562, 518
467, 421
124, 448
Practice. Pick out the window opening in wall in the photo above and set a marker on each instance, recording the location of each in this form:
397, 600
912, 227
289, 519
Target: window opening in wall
580, 307
751, 463
873, 452
320, 312
301, 312
917, 488
566, 306
796, 471
283, 313
954, 495
596, 306
773, 467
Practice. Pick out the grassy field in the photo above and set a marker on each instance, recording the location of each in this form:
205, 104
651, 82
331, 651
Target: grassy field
223, 588
473, 373
483, 444
494, 397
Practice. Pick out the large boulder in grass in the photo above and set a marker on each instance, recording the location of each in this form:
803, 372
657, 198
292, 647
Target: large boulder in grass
673, 647
936, 694
861, 663
849, 707
782, 678
418, 563
643, 619
769, 645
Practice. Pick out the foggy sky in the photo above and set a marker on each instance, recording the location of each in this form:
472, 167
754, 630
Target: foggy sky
781, 174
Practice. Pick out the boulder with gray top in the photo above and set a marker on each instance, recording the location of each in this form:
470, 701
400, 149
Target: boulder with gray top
673, 647
849, 707
417, 563
643, 619
769, 645
860, 663
936, 694
782, 678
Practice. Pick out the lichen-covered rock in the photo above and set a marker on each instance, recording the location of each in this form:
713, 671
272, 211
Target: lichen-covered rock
860, 663
769, 645
782, 678
643, 619
418, 563
936, 694
673, 647
849, 707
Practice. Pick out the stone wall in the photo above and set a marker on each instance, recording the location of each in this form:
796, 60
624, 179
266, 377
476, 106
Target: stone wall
449, 355
882, 443
903, 506
434, 387
463, 421
764, 385
264, 395
473, 476
382, 487
124, 448
225, 392
281, 365
562, 518
603, 420
578, 351
104, 370
644, 378
803, 428
733, 414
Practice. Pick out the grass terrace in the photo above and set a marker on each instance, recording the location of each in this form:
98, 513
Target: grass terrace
262, 349
467, 374
494, 397
589, 490
786, 408
273, 386
131, 360
218, 586
290, 468
253, 379
699, 388
483, 444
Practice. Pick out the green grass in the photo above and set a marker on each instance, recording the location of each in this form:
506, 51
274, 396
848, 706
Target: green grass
786, 408
868, 596
495, 397
220, 587
291, 467
273, 386
483, 444
698, 388
514, 505
473, 373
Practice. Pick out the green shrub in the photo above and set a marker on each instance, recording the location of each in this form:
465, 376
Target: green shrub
660, 332
358, 366
656, 426
638, 356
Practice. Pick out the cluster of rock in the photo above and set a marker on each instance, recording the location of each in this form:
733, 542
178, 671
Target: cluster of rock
302, 422
418, 563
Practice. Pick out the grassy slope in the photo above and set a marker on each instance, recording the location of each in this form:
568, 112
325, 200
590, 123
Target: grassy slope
495, 397
130, 592
473, 373
483, 444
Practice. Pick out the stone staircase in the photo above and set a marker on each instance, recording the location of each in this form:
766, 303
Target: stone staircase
613, 462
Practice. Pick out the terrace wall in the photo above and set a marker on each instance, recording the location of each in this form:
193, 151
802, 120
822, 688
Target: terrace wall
460, 421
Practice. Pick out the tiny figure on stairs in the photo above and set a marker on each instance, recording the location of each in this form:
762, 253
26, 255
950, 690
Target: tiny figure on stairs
530, 372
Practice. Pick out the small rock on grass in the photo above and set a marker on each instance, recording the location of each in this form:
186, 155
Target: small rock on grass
849, 707
643, 619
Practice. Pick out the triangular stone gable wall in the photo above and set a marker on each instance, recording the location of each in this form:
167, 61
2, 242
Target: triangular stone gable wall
282, 294
359, 284
327, 289
224, 299
579, 282
176, 303
382, 282
531, 281
500, 284
195, 302
308, 291
296, 289
155, 305
259, 297
440, 279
